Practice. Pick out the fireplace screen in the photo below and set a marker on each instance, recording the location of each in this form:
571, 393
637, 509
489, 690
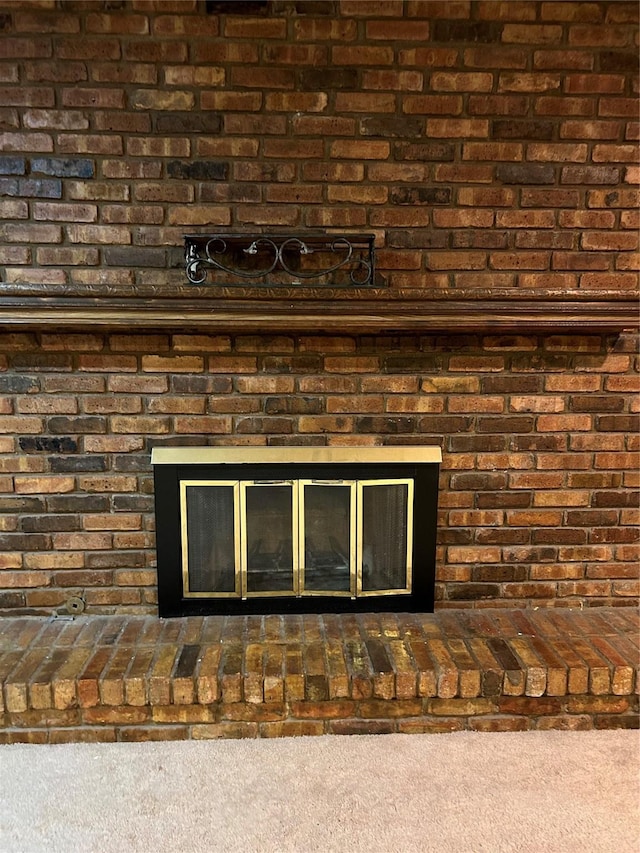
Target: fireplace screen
302, 542
244, 538
267, 558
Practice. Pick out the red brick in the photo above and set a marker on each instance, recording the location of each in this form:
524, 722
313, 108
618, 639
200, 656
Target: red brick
440, 57
26, 48
361, 55
396, 80
537, 34
199, 215
310, 55
606, 241
586, 36
566, 106
519, 82
453, 128
365, 102
124, 169
490, 10
297, 148
457, 260
594, 83
271, 215
456, 81
224, 101
396, 30
369, 150
297, 102
578, 60
248, 28
588, 130
324, 126
322, 29
27, 97
371, 8
38, 142
467, 249
617, 107
179, 25
127, 24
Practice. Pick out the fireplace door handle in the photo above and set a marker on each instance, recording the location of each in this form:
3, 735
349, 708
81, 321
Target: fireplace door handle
272, 482
328, 482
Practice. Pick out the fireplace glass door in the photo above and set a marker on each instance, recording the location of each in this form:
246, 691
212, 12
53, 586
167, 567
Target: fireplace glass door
210, 529
328, 519
385, 529
296, 538
268, 564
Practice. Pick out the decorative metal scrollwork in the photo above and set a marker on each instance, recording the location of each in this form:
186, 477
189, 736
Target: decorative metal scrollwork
321, 259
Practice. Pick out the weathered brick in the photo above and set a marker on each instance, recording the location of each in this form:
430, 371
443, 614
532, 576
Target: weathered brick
581, 138
525, 173
485, 32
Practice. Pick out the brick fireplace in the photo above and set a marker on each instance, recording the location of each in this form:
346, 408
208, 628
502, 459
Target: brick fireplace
536, 490
491, 148
295, 529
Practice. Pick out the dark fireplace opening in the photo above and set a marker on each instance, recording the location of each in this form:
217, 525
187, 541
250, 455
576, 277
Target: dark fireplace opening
276, 530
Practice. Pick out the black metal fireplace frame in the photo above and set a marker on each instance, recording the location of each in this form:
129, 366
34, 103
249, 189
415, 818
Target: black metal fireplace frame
171, 599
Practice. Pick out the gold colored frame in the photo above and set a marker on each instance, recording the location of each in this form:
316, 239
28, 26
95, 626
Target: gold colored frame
356, 488
294, 455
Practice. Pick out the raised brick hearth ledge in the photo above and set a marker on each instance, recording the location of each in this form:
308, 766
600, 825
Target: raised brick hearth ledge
109, 678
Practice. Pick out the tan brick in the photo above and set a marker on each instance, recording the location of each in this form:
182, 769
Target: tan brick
123, 715
224, 730
182, 714
457, 81
291, 728
203, 424
207, 678
461, 707
324, 423
44, 485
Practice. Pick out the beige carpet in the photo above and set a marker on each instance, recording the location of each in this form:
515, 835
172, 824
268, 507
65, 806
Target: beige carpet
539, 792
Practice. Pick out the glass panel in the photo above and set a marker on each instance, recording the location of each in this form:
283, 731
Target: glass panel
384, 536
269, 520
210, 539
327, 538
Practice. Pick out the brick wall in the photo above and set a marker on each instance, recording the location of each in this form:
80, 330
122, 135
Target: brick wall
488, 145
539, 481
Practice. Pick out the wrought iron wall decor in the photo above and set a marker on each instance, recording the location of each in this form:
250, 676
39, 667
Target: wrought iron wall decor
336, 260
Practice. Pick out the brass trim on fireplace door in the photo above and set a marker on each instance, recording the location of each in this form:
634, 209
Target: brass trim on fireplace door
298, 538
235, 484
406, 590
294, 455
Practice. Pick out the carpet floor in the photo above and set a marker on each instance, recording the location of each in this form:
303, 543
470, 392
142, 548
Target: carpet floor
529, 792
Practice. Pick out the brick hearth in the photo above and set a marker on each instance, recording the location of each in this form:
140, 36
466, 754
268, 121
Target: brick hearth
108, 678
491, 151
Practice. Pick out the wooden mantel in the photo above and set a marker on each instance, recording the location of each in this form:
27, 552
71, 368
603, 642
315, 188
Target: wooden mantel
278, 309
